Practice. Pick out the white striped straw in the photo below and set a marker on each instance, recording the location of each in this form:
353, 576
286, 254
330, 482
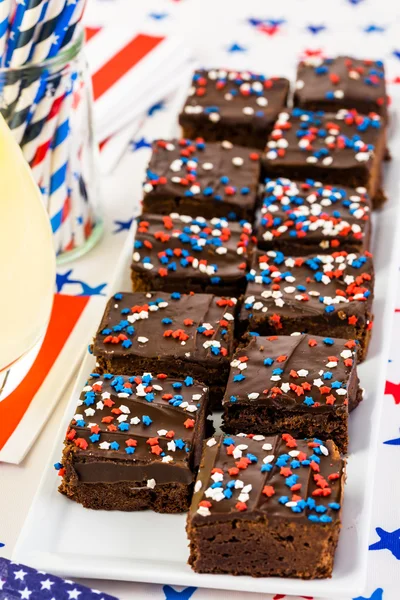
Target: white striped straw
76, 17
5, 10
23, 44
48, 31
44, 120
58, 175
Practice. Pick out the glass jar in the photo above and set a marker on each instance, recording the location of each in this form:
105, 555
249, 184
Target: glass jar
48, 107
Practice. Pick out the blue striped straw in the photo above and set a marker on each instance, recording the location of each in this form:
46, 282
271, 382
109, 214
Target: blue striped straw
37, 28
62, 27
15, 30
78, 12
5, 7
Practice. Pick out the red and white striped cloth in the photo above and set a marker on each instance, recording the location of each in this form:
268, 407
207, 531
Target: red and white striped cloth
131, 70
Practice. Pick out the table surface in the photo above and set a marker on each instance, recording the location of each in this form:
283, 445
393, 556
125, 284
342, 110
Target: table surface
250, 32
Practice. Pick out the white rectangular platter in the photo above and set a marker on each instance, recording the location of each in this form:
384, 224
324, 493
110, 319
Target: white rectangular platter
63, 538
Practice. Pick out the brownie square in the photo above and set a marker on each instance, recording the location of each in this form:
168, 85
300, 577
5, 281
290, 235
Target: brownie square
309, 217
329, 294
198, 179
266, 506
301, 384
177, 334
135, 443
340, 148
230, 105
186, 254
341, 82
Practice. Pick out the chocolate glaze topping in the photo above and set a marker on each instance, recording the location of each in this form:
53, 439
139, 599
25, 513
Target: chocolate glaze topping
139, 428
235, 97
339, 140
276, 477
312, 213
296, 287
341, 81
156, 324
203, 172
304, 373
177, 246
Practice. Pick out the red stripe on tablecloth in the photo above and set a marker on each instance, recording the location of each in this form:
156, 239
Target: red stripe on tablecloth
65, 314
91, 32
103, 143
122, 62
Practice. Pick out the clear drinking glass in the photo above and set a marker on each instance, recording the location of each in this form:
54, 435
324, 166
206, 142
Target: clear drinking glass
48, 107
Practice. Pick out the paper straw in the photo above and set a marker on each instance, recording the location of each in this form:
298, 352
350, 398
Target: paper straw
75, 19
47, 31
5, 9
13, 35
24, 38
55, 32
57, 19
59, 164
28, 98
36, 150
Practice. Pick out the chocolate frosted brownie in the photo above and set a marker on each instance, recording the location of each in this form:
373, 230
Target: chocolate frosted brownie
231, 105
184, 254
301, 384
341, 82
198, 179
135, 443
266, 506
177, 334
340, 148
329, 294
306, 217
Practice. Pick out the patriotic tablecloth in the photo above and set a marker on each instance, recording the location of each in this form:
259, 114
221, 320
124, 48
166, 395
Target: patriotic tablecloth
231, 33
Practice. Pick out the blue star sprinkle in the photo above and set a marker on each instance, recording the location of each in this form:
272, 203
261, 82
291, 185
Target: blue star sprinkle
389, 540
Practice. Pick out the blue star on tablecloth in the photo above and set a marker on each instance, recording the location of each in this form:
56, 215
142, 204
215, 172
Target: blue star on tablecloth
355, 2
393, 442
272, 22
122, 225
136, 145
315, 29
376, 595
158, 16
63, 279
155, 108
2, 545
172, 594
19, 581
396, 54
235, 47
374, 29
389, 540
